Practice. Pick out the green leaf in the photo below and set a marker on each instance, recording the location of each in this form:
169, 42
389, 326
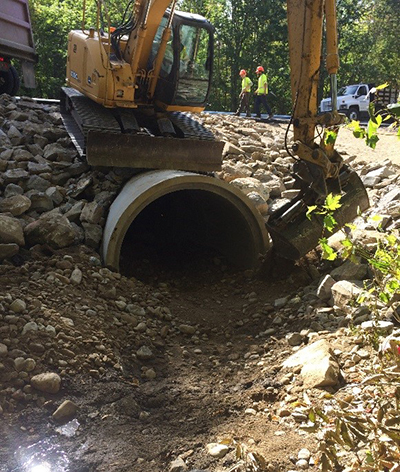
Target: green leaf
372, 140
310, 210
346, 243
359, 133
351, 226
322, 415
392, 433
327, 252
371, 112
330, 137
382, 86
369, 458
330, 223
332, 202
384, 297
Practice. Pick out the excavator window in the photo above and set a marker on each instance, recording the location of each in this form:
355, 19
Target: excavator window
168, 61
194, 75
186, 68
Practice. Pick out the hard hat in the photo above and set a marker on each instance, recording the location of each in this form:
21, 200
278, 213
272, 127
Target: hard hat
242, 72
260, 69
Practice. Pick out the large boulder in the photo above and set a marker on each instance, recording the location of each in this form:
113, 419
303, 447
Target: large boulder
51, 228
319, 367
11, 231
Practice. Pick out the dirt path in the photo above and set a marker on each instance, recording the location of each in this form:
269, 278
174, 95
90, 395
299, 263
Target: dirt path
388, 146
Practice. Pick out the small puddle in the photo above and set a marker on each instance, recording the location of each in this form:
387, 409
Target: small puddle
46, 455
69, 429
43, 456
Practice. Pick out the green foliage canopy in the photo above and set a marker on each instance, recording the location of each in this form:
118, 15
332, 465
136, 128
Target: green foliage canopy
248, 33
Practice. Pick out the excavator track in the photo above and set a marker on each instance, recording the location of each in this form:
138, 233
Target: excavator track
136, 139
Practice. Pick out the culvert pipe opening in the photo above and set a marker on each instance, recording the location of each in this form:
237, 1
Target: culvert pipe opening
174, 220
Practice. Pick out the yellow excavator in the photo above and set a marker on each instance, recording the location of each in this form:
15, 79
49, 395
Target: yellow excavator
129, 88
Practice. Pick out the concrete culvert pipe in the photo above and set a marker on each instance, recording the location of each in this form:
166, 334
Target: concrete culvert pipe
173, 210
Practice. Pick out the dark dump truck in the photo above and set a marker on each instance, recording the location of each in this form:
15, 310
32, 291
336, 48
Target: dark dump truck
16, 42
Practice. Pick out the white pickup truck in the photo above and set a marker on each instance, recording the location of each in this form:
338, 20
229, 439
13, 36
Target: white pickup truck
353, 100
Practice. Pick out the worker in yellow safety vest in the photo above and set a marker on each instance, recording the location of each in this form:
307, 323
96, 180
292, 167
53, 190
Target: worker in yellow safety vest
261, 93
244, 96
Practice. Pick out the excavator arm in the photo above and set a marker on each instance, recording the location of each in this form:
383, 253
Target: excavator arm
319, 168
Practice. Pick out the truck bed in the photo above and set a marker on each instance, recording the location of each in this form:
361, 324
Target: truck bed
16, 39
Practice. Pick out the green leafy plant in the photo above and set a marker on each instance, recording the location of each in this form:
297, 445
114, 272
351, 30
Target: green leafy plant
362, 432
327, 209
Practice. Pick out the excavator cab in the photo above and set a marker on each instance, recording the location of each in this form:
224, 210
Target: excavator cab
186, 69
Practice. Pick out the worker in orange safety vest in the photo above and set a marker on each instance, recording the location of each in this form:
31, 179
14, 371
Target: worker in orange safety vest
261, 93
244, 96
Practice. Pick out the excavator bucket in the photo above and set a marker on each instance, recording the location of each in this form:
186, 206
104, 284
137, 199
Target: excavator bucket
294, 235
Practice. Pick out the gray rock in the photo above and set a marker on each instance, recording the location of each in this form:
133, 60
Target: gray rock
11, 231
53, 229
187, 329
319, 366
381, 325
29, 327
74, 213
280, 302
294, 339
65, 412
35, 182
40, 202
178, 465
48, 382
18, 306
343, 292
144, 353
8, 250
217, 450
324, 290
16, 205
3, 350
230, 148
259, 202
21, 155
35, 168
350, 271
56, 152
93, 234
15, 175
55, 195
92, 213
12, 190
76, 276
